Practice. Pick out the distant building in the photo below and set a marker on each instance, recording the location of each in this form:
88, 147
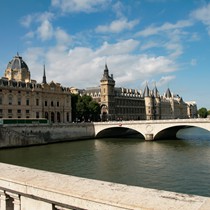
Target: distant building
119, 103
22, 97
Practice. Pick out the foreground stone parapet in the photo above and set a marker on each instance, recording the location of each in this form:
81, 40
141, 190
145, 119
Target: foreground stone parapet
24, 188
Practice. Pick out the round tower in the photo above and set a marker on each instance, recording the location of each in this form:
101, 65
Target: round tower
148, 103
157, 104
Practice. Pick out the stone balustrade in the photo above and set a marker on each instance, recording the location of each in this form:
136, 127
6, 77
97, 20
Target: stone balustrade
29, 189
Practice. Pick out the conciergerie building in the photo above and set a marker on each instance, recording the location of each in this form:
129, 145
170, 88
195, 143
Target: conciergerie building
119, 103
22, 97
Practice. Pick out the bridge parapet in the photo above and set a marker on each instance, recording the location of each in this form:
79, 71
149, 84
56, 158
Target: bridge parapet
24, 188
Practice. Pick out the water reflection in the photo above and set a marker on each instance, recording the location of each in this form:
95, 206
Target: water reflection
175, 165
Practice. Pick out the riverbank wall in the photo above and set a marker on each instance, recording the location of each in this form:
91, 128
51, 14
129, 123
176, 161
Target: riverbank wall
26, 135
23, 188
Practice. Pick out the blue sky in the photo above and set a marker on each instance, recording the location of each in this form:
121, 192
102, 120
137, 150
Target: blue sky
162, 42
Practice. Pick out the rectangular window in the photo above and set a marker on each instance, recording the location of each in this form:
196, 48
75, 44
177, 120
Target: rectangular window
27, 111
58, 103
1, 111
10, 100
45, 103
27, 102
51, 103
9, 111
0, 100
19, 101
37, 114
19, 111
37, 102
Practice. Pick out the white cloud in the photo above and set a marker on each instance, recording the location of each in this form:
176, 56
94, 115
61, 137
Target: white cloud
203, 15
122, 47
62, 37
154, 30
118, 8
83, 67
45, 30
27, 20
117, 26
150, 44
86, 6
165, 80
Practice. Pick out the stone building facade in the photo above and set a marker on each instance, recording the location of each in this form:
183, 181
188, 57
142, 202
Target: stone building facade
128, 104
22, 97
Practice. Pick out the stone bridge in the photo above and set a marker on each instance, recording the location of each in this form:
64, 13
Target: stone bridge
152, 129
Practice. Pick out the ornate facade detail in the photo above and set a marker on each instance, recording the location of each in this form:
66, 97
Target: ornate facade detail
21, 97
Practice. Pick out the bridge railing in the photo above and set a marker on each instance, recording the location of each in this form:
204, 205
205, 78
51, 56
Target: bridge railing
24, 188
196, 120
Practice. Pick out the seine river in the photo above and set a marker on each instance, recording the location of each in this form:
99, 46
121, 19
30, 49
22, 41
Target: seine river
174, 165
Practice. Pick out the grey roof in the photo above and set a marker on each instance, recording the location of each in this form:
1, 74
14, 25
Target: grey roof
106, 75
146, 91
17, 63
155, 92
168, 93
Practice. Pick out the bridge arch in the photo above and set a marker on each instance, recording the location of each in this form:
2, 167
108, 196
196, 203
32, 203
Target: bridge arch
170, 132
118, 131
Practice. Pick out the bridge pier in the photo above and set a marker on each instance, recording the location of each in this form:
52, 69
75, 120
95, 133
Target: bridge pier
149, 137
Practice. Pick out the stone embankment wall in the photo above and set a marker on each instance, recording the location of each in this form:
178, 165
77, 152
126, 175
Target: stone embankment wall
14, 136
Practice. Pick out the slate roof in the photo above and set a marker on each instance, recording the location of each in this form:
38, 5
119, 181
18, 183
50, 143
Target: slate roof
17, 63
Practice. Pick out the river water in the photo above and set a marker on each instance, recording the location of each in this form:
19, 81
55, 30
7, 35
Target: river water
174, 165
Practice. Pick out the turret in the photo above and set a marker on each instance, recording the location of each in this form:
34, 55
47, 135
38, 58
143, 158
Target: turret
157, 104
107, 85
148, 103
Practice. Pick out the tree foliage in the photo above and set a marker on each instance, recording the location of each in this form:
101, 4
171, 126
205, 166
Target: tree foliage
85, 109
203, 112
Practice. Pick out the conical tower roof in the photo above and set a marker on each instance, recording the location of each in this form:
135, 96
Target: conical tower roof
168, 93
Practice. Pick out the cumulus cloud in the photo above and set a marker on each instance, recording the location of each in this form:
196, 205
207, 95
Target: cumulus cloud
28, 20
122, 47
45, 30
203, 15
87, 6
83, 67
117, 26
62, 37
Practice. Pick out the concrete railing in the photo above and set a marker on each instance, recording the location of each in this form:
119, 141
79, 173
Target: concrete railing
29, 189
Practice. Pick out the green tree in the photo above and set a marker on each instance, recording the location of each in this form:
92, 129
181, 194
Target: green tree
203, 112
95, 110
208, 112
85, 109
